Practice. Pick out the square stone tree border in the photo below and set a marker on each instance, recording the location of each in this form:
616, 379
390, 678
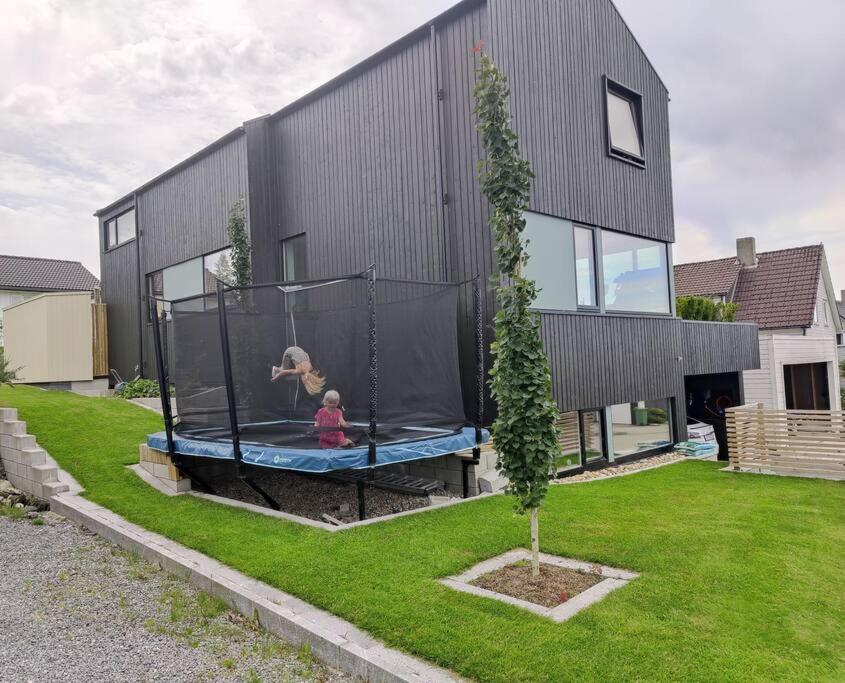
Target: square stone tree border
614, 578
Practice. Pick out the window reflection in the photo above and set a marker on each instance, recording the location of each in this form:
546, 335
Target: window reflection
636, 274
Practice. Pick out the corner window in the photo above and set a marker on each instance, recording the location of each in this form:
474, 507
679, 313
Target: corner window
293, 264
624, 123
585, 267
119, 229
217, 266
636, 275
189, 278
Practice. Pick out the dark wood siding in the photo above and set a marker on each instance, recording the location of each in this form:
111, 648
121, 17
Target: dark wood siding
186, 213
357, 172
119, 282
601, 360
555, 55
719, 347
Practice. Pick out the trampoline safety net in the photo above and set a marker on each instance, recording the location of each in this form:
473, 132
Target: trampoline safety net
318, 334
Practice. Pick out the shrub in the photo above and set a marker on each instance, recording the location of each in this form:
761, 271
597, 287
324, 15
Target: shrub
7, 374
703, 308
657, 416
139, 388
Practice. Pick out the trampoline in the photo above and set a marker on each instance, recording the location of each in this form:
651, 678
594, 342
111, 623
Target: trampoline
318, 376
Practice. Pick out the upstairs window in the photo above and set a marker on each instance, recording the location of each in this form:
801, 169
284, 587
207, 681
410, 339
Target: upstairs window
636, 274
189, 278
120, 229
624, 123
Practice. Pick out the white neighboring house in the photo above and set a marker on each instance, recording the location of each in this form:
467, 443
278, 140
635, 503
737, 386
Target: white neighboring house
790, 295
23, 277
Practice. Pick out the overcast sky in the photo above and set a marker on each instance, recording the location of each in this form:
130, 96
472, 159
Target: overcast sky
98, 96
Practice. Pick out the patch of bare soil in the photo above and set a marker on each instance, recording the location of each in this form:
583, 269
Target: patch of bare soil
553, 587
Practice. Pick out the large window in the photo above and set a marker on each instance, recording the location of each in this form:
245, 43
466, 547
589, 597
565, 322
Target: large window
293, 263
119, 229
641, 426
636, 276
189, 278
624, 123
551, 254
585, 266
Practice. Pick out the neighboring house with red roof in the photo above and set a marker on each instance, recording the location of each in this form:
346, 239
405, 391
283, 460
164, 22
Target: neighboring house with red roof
23, 277
790, 295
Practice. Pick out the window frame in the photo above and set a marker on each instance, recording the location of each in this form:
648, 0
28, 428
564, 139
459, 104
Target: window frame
283, 256
148, 279
635, 98
598, 271
112, 221
669, 275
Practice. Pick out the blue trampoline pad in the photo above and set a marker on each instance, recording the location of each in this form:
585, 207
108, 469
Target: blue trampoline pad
318, 460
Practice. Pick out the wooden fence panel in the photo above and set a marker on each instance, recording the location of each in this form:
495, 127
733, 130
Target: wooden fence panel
101, 339
808, 443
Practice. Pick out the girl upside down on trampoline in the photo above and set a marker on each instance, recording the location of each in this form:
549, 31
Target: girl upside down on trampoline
296, 361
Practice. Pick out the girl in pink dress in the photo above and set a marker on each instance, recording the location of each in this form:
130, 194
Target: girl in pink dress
330, 415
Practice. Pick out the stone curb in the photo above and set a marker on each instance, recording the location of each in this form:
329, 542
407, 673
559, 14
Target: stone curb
334, 641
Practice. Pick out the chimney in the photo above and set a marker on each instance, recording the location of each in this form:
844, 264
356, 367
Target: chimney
746, 251
842, 297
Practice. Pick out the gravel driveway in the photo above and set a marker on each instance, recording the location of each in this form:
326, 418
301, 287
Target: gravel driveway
74, 607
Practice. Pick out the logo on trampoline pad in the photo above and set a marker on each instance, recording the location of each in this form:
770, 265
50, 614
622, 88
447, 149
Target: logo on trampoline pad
277, 459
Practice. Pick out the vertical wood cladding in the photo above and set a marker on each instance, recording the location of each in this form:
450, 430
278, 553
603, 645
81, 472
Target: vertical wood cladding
119, 283
356, 171
185, 214
555, 55
601, 360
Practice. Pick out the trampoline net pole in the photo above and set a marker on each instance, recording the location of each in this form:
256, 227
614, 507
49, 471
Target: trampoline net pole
479, 364
227, 374
163, 388
373, 364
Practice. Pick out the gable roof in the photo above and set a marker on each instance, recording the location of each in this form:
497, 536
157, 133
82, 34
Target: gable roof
707, 278
780, 291
841, 306
45, 275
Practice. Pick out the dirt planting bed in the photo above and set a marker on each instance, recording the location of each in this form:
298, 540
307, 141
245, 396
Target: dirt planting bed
554, 586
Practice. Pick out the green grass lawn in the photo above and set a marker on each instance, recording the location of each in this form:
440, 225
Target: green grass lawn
743, 576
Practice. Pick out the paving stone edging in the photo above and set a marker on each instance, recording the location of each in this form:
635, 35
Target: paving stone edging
334, 641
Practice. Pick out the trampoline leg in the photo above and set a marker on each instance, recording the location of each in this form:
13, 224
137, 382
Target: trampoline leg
362, 508
204, 485
261, 492
465, 465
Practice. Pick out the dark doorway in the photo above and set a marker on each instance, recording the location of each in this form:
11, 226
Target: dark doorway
707, 399
806, 387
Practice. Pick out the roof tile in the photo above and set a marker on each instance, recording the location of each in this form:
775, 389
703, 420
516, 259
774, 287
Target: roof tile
41, 274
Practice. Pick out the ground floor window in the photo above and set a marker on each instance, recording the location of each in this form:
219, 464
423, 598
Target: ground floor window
581, 438
640, 426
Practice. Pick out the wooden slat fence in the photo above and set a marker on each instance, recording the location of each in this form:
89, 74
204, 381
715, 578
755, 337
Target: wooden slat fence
805, 443
100, 336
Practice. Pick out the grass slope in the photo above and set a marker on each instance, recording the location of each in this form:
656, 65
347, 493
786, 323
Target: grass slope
743, 577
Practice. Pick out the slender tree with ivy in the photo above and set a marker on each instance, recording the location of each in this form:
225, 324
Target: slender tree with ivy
521, 381
241, 263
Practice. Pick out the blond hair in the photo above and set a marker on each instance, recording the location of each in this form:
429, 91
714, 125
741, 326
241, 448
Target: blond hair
331, 397
313, 382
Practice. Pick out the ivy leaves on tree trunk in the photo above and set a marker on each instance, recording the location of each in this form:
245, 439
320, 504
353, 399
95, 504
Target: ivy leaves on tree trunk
239, 239
521, 382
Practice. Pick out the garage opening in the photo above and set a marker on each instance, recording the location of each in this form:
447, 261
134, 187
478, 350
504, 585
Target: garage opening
707, 399
806, 386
